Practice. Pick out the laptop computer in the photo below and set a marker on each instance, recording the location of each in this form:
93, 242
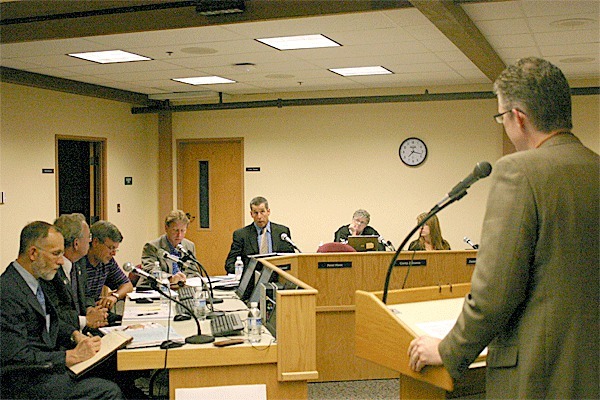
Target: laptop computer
364, 242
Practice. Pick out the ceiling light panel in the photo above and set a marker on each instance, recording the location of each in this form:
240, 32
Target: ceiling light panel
110, 56
299, 42
204, 80
361, 71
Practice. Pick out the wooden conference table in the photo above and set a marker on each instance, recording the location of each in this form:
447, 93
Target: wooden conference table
284, 364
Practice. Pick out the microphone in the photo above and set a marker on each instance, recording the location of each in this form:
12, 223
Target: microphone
470, 243
166, 254
284, 236
482, 169
194, 339
128, 267
189, 256
386, 243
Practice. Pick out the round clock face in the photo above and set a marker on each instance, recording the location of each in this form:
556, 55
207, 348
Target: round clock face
412, 151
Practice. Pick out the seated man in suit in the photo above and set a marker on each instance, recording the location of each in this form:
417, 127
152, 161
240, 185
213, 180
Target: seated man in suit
67, 289
176, 224
358, 226
260, 237
101, 268
31, 332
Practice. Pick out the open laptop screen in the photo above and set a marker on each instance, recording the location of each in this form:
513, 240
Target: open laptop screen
364, 242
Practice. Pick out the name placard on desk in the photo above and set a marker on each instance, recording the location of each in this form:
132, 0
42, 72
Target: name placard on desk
412, 263
471, 260
335, 264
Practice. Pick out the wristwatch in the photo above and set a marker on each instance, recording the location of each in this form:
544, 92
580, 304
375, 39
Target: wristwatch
115, 294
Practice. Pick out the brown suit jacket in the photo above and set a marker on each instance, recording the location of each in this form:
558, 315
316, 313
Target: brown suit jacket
535, 289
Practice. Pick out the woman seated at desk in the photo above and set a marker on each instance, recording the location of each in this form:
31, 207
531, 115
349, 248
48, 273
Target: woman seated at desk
430, 235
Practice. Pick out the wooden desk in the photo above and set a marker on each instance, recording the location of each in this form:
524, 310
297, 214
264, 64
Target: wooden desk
337, 276
284, 366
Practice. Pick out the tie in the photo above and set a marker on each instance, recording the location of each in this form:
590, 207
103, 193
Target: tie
40, 296
264, 245
175, 265
74, 287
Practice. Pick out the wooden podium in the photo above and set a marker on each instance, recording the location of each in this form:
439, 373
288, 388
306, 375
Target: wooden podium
384, 332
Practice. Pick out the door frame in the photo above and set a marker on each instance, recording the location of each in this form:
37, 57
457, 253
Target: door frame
98, 198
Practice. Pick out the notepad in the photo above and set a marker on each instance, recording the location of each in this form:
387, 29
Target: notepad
111, 342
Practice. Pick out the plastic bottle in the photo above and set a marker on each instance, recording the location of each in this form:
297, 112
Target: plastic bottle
200, 304
157, 274
254, 323
239, 268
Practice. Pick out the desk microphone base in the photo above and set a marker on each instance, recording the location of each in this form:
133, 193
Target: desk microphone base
199, 339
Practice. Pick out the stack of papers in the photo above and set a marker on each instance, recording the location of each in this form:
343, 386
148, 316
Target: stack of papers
146, 334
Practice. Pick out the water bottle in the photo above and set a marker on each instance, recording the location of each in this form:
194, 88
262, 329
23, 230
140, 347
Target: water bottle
254, 323
157, 274
239, 268
200, 304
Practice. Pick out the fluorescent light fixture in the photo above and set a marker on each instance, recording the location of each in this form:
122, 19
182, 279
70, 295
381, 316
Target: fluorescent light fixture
204, 80
299, 42
358, 71
220, 7
110, 56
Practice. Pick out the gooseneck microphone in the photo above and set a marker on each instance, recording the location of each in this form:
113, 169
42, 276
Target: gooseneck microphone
194, 339
470, 243
482, 170
386, 243
284, 236
187, 255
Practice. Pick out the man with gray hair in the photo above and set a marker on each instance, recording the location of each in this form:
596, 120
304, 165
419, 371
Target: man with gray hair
67, 289
358, 226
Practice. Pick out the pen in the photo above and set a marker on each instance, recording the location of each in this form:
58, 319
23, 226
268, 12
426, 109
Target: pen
148, 313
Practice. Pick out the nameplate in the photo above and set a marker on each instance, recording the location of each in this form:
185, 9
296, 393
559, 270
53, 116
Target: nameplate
471, 260
285, 267
413, 263
335, 264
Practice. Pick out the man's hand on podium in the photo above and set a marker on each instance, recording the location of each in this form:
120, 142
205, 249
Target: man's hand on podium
423, 351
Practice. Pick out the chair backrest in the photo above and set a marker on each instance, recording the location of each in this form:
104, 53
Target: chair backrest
233, 392
335, 247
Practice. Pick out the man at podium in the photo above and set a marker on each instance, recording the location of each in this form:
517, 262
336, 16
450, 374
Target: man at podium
534, 291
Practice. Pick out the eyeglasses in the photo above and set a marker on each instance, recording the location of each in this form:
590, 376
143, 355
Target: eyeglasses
358, 222
112, 249
55, 254
500, 117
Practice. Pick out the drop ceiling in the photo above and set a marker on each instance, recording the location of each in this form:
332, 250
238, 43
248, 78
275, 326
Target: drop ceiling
425, 43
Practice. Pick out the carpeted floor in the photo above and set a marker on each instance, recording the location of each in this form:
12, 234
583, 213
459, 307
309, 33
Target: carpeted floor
378, 389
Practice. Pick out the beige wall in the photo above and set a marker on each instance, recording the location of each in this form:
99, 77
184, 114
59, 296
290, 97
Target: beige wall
318, 164
30, 120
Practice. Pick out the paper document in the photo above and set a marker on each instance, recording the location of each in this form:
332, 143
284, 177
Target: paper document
146, 334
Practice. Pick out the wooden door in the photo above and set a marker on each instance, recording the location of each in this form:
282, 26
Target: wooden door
211, 190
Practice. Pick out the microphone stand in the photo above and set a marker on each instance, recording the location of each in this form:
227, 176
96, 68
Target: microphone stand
211, 298
446, 201
194, 339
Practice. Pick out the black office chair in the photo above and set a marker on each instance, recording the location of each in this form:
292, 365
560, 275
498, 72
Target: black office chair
7, 372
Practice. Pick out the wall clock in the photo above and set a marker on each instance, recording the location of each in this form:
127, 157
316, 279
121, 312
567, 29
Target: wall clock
413, 152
